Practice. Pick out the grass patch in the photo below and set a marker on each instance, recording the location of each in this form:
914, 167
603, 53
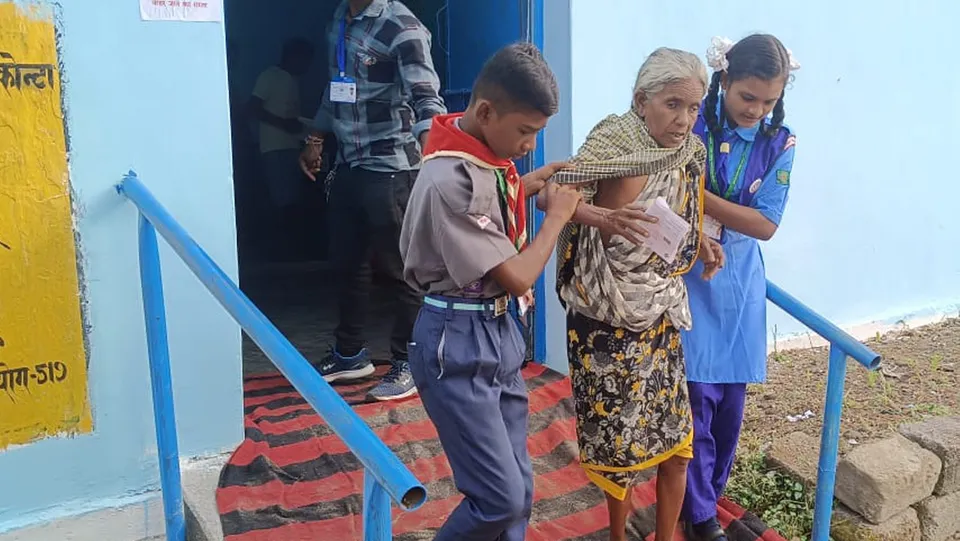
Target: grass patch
782, 503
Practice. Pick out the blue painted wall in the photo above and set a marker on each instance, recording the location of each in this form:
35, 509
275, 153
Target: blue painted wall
870, 228
151, 97
557, 146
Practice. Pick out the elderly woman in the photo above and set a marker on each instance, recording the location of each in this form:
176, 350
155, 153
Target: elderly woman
626, 304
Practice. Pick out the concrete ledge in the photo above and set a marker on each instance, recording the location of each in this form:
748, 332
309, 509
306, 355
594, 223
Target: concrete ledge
131, 522
200, 479
141, 517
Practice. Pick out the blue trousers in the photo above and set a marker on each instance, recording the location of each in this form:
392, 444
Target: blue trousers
467, 369
717, 417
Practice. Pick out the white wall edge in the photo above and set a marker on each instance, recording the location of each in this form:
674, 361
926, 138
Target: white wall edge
863, 331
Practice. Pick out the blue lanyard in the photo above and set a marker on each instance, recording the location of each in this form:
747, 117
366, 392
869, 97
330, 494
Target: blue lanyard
342, 48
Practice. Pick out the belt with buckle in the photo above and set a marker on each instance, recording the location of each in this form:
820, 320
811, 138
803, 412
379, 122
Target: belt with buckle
496, 305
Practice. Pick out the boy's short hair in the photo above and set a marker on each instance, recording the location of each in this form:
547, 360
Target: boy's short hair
296, 48
518, 77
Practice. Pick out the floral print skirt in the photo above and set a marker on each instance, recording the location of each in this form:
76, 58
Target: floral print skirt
630, 392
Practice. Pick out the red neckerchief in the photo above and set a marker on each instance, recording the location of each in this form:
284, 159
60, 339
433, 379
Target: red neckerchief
446, 138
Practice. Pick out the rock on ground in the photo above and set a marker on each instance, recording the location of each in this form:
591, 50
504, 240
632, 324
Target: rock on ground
849, 526
881, 479
939, 517
941, 436
796, 454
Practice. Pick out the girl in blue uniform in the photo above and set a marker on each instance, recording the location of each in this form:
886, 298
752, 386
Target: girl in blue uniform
749, 159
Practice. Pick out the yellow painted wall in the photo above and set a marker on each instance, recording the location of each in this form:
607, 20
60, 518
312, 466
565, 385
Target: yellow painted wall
43, 373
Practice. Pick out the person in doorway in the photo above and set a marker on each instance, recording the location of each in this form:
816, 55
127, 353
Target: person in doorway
749, 160
275, 105
382, 96
626, 304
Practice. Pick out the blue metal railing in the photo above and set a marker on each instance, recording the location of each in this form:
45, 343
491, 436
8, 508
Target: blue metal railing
842, 345
385, 477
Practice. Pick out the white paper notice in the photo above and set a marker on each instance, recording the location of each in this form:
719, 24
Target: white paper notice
182, 10
669, 231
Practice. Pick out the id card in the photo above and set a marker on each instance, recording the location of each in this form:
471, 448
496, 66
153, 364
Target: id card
343, 90
712, 228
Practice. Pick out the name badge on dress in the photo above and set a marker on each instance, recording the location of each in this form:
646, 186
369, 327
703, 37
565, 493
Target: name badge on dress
343, 90
712, 228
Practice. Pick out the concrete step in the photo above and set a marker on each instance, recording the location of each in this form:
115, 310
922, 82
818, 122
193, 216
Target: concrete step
141, 518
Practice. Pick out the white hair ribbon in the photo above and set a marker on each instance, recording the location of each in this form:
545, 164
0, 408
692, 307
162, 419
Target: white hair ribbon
794, 64
720, 46
717, 53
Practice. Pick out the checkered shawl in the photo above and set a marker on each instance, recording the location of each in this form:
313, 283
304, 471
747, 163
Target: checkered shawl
623, 284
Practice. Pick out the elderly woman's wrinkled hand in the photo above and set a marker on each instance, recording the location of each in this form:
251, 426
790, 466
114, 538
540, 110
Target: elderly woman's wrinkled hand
711, 253
627, 222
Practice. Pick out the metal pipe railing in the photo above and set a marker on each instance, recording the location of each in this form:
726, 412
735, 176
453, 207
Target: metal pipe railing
385, 477
161, 385
842, 345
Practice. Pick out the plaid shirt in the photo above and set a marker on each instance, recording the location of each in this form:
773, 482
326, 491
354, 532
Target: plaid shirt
388, 55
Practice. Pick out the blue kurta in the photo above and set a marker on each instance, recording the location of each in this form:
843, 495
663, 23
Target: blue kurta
728, 342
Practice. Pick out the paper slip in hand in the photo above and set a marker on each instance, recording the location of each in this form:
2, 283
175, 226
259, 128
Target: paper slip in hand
524, 303
669, 231
711, 227
522, 306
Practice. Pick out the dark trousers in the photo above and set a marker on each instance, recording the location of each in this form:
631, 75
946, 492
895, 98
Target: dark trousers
366, 212
467, 370
717, 417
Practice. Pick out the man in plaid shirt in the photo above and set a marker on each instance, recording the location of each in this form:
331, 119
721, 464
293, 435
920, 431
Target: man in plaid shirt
383, 95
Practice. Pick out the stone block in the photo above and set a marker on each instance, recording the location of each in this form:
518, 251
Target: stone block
939, 517
797, 455
881, 479
849, 526
941, 436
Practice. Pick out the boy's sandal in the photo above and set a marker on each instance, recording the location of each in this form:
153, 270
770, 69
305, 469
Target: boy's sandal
713, 534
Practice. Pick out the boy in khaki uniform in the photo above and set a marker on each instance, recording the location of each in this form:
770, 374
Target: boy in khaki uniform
464, 245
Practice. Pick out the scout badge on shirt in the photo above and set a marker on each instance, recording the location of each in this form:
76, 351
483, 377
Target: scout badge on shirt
755, 186
482, 221
783, 177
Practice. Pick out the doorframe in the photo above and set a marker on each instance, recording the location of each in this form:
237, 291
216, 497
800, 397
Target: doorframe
535, 27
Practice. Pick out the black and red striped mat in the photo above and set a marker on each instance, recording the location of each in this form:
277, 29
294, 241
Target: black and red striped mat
293, 479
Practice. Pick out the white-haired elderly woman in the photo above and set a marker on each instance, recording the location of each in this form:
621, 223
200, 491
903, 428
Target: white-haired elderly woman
625, 304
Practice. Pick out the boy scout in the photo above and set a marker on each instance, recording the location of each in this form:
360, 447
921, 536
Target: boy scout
461, 242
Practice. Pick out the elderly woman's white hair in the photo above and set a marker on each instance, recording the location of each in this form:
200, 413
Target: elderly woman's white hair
665, 66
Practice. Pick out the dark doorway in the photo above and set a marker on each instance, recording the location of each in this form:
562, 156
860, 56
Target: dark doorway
294, 288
